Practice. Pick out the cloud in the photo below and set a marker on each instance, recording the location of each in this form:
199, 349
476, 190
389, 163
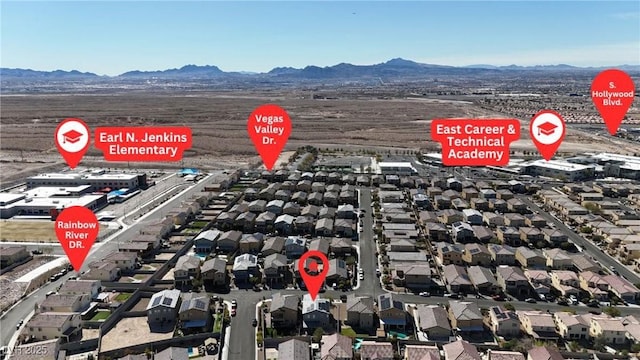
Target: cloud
596, 55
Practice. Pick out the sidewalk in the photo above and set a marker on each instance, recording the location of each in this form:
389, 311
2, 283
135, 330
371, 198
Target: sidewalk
227, 336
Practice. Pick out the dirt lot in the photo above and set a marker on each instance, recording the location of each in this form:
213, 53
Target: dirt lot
29, 231
129, 332
218, 123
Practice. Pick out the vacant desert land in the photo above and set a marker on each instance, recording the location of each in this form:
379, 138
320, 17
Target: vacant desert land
218, 122
41, 231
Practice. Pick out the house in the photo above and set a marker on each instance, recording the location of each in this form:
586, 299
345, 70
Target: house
275, 206
514, 220
611, 329
557, 259
245, 221
265, 222
315, 313
462, 232
360, 312
336, 347
509, 235
554, 236
341, 246
457, 279
530, 258
450, 254
483, 280
622, 288
483, 233
502, 254
283, 195
412, 276
304, 224
346, 212
460, 350
331, 198
299, 197
594, 284
294, 349
194, 311
10, 255
421, 352
566, 282
504, 322
214, 271
103, 271
65, 303
327, 213
472, 216
391, 312
324, 227
295, 246
512, 280
186, 270
244, 266
344, 227
371, 350
437, 231
543, 353
433, 321
531, 235
315, 198
81, 287
291, 208
53, 325
480, 204
540, 281
284, 310
465, 316
284, 224
273, 245
499, 205
535, 220
163, 306
275, 267
583, 262
250, 243
206, 241
572, 327
450, 216
476, 254
258, 206
337, 272
538, 324
229, 241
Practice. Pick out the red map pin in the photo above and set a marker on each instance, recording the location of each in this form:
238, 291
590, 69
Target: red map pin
612, 92
312, 279
72, 140
547, 131
77, 229
269, 127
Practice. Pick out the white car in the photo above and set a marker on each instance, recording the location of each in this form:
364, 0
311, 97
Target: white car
425, 294
361, 276
361, 271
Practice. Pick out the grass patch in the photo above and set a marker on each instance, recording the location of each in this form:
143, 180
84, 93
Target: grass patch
122, 297
217, 324
347, 331
198, 224
140, 277
100, 315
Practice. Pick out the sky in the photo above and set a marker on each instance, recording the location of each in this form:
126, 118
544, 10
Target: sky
111, 37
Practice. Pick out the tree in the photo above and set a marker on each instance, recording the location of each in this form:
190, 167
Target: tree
317, 334
599, 342
611, 311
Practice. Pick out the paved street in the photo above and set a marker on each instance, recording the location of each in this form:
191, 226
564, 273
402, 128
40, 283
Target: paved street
11, 317
589, 247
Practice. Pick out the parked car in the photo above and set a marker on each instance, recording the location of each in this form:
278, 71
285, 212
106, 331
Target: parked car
254, 323
19, 323
233, 312
530, 300
425, 294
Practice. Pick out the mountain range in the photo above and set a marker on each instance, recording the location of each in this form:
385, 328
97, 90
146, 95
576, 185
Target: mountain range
398, 67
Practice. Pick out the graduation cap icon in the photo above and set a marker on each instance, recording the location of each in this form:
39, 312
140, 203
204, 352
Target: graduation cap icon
547, 128
71, 136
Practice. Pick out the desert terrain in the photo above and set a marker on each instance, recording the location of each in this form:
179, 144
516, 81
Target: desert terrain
218, 123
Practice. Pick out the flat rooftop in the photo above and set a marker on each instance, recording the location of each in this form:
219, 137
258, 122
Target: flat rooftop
558, 165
